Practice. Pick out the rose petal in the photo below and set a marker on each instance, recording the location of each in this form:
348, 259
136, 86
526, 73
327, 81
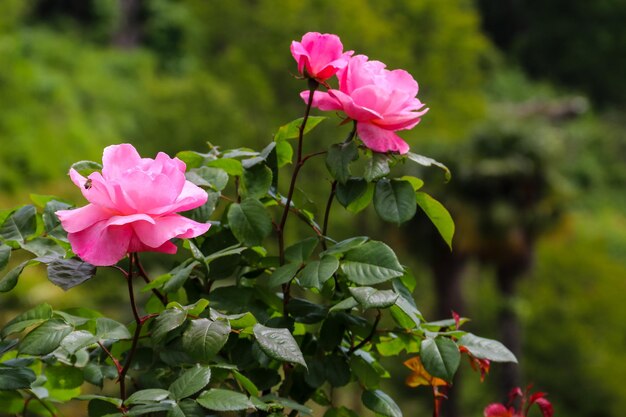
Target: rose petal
497, 410
117, 159
381, 140
322, 101
79, 219
168, 227
353, 110
190, 197
101, 245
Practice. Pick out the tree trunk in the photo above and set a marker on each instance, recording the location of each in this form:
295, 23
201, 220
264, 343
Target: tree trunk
128, 32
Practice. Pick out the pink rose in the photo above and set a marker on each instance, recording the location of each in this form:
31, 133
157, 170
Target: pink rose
381, 101
133, 206
320, 55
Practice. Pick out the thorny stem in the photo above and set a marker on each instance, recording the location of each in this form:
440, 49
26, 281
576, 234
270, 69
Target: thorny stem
313, 85
280, 230
333, 191
329, 203
304, 218
117, 363
142, 273
138, 322
369, 336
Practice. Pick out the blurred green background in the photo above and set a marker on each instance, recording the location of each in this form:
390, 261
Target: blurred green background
527, 103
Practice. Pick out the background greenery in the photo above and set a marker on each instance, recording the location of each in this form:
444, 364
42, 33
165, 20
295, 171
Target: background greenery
523, 95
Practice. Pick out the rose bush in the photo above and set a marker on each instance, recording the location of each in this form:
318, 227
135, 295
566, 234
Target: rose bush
242, 324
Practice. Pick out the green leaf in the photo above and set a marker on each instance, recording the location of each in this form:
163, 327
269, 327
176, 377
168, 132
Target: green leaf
111, 400
264, 156
250, 222
283, 274
284, 153
302, 250
231, 166
405, 311
190, 382
364, 200
68, 273
214, 178
231, 250
286, 402
395, 201
246, 383
427, 162
440, 357
64, 377
438, 215
109, 329
192, 159
204, 338
339, 158
45, 338
37, 315
316, 273
147, 396
278, 344
43, 247
203, 213
198, 307
371, 263
179, 278
98, 407
292, 129
243, 320
93, 374
390, 347
143, 409
415, 182
380, 403
482, 348
187, 408
16, 378
365, 372
168, 320
337, 370
370, 297
77, 340
41, 200
5, 254
345, 245
85, 168
256, 181
224, 400
377, 167
9, 281
347, 304
20, 225
351, 190
51, 222
304, 311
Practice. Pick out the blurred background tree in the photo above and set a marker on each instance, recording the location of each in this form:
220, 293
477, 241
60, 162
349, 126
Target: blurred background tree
527, 102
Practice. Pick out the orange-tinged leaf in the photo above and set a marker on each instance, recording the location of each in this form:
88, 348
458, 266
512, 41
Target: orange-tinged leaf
419, 376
